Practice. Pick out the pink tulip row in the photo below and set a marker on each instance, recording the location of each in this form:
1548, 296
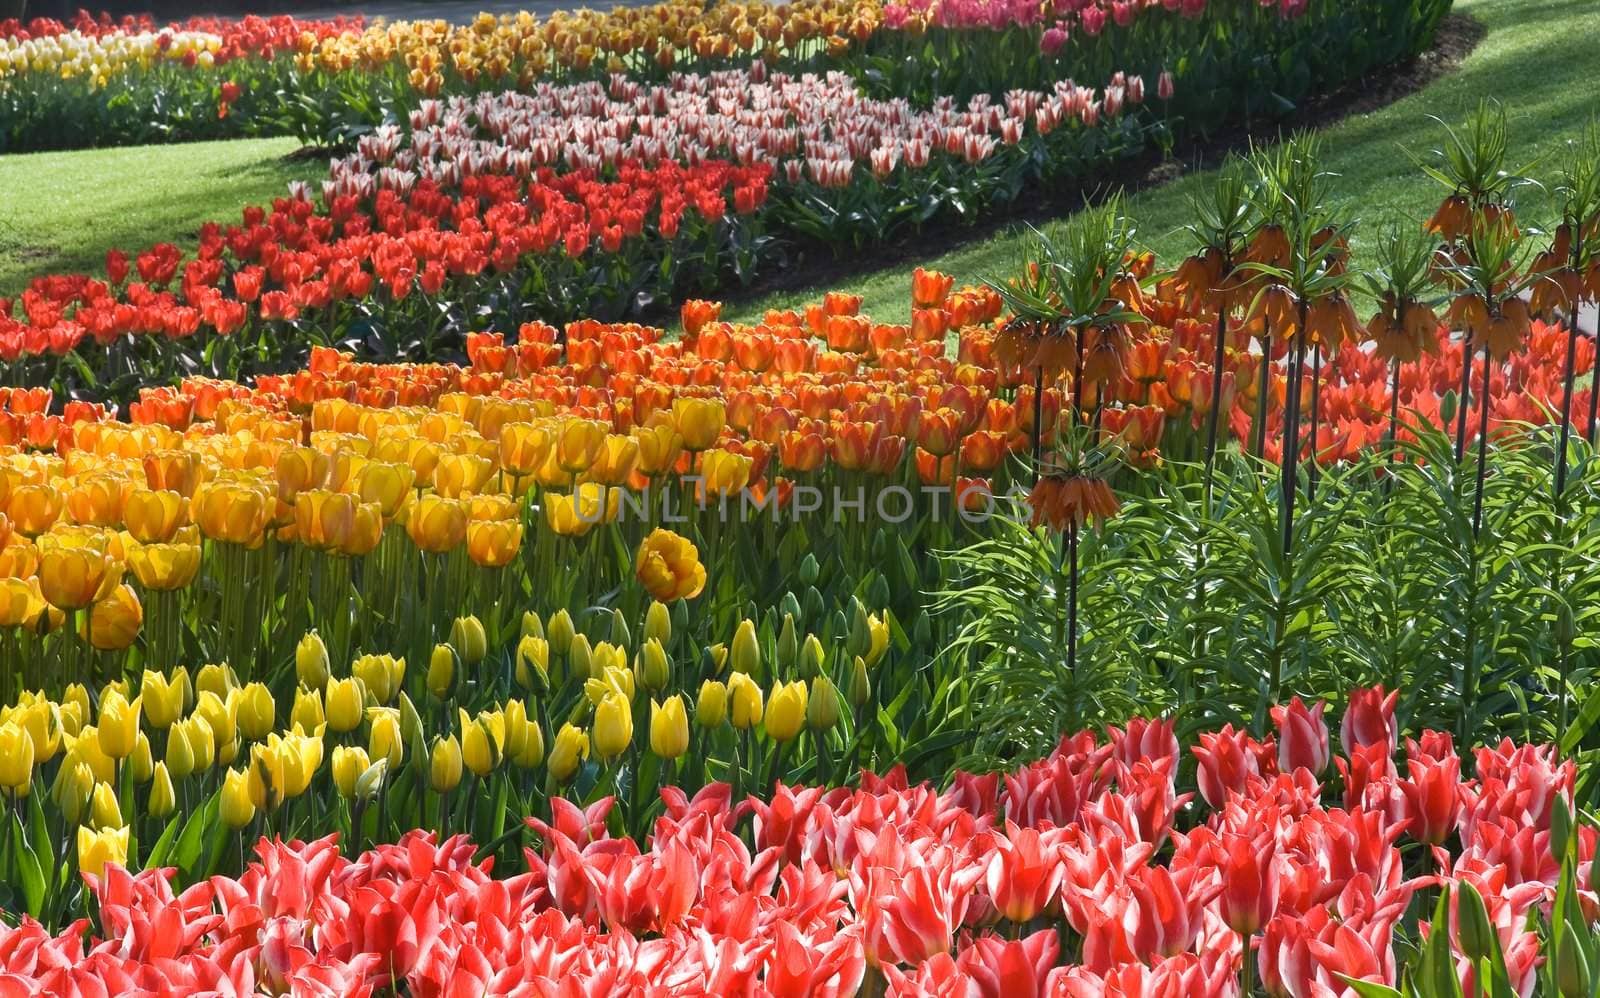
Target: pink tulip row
982, 889
816, 127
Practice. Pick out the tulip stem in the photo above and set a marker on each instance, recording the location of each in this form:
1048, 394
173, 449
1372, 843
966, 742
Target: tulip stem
1247, 969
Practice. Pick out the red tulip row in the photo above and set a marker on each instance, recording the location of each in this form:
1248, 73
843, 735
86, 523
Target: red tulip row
1085, 873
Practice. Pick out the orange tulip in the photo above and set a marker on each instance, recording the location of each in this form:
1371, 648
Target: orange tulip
668, 566
153, 516
232, 511
437, 524
72, 576
494, 543
115, 621
164, 567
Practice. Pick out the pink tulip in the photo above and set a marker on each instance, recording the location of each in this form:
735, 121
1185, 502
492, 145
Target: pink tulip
1368, 719
1302, 737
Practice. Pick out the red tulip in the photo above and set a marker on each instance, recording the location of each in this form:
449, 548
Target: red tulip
1302, 737
1368, 719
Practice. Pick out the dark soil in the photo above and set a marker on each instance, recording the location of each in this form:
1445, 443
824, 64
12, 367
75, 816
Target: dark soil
1457, 35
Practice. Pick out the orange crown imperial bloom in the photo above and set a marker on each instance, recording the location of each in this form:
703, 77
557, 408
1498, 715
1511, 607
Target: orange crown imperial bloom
668, 566
1061, 501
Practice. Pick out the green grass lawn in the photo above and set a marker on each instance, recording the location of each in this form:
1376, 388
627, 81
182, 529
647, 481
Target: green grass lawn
1532, 60
61, 211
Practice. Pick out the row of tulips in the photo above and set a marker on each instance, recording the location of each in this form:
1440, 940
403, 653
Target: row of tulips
329, 81
576, 202
1085, 873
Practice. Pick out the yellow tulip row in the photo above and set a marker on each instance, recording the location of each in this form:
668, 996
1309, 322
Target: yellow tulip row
73, 55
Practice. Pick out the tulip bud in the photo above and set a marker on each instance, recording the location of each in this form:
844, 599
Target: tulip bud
716, 657
809, 569
385, 740
745, 652
788, 649
215, 678
162, 700
441, 671
620, 635
1472, 923
560, 631
579, 655
370, 782
859, 640
411, 729
789, 606
468, 638
237, 807
613, 726
786, 711
380, 675
343, 704
140, 766
533, 662
78, 697
349, 762
73, 787
658, 623
654, 668
712, 707
811, 656
860, 685
162, 800
669, 728
104, 811
480, 749
1572, 967
311, 661
532, 626
444, 768
744, 701
822, 709
530, 745
307, 714
257, 711
571, 748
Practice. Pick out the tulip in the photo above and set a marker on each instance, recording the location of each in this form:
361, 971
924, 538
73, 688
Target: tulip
711, 709
71, 578
745, 701
613, 726
494, 543
822, 706
860, 683
668, 566
16, 758
21, 602
221, 717
153, 516
118, 724
1368, 719
349, 762
745, 651
140, 767
1433, 796
311, 661
698, 421
441, 671
579, 443
1302, 737
654, 668
571, 748
1023, 874
217, 679
1227, 760
482, 742
786, 711
533, 658
72, 789
384, 740
467, 637
163, 800
114, 622
437, 524
104, 811
235, 512
657, 623
444, 765
97, 848
237, 807
257, 711
380, 675
162, 700
669, 728
307, 714
1249, 880
524, 738
560, 631
344, 703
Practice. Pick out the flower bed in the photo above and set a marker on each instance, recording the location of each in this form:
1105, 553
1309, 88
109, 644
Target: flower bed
1085, 873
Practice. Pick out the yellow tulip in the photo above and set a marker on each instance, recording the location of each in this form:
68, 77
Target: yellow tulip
467, 637
387, 484
533, 658
16, 758
163, 800
437, 524
745, 701
385, 741
307, 713
786, 711
523, 447
237, 807
72, 789
117, 724
21, 602
669, 728
344, 704
104, 811
494, 543
139, 763
571, 748
217, 679
441, 671
699, 421
97, 848
822, 707
232, 511
613, 725
579, 443
668, 566
444, 767
560, 631
222, 719
724, 473
257, 711
162, 699
745, 652
311, 661
153, 516
349, 762
381, 675
711, 709
324, 520
459, 475
481, 744
72, 577
659, 444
